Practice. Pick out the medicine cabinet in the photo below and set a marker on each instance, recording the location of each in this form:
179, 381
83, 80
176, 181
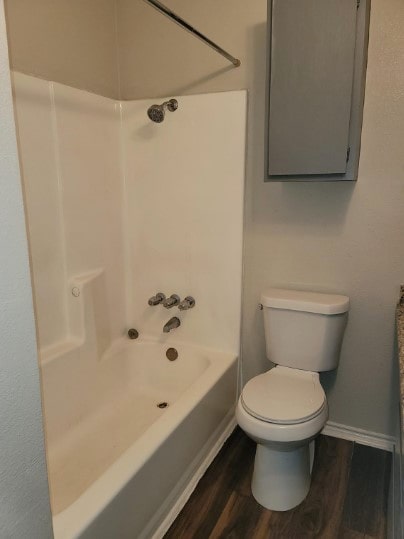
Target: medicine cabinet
317, 52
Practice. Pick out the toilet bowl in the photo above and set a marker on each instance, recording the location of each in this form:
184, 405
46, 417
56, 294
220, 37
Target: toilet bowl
283, 431
284, 409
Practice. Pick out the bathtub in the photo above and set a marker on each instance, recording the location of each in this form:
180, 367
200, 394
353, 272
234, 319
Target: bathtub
118, 464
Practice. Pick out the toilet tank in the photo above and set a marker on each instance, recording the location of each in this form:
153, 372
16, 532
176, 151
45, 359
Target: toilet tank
304, 330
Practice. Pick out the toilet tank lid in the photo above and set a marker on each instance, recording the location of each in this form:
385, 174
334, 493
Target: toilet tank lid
300, 300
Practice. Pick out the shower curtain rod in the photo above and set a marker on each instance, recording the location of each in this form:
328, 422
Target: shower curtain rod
180, 21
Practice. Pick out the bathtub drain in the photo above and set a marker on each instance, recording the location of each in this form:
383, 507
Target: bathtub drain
162, 405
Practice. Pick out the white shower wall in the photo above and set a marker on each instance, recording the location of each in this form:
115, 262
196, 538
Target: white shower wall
136, 208
39, 169
88, 131
185, 186
69, 149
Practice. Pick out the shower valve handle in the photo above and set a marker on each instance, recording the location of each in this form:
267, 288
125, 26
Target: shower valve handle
187, 303
157, 299
172, 301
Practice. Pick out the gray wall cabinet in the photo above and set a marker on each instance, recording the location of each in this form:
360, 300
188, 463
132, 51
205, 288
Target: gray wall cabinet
317, 52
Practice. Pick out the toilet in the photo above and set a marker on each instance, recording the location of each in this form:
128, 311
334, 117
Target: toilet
284, 409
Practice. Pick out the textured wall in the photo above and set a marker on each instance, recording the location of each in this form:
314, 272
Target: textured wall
24, 499
158, 58
72, 42
336, 236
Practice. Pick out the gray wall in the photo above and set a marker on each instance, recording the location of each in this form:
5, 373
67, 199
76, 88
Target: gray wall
24, 498
68, 41
342, 237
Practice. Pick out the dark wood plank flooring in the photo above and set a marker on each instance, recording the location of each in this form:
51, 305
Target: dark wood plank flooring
347, 499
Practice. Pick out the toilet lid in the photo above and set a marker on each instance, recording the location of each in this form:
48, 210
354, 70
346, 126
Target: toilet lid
284, 395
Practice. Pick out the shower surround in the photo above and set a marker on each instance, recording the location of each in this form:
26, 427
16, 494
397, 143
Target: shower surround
119, 208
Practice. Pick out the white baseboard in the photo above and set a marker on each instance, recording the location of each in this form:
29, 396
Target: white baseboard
226, 428
364, 437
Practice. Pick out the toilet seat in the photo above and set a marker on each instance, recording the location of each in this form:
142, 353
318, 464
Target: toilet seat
265, 432
284, 396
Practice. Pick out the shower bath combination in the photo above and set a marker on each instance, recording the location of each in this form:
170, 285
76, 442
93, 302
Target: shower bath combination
156, 113
127, 413
110, 444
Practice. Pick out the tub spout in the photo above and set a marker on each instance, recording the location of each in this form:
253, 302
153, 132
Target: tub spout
173, 323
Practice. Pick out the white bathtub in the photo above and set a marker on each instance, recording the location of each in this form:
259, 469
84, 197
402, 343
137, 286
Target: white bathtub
119, 466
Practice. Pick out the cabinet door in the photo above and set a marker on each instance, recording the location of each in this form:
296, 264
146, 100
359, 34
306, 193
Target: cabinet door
311, 76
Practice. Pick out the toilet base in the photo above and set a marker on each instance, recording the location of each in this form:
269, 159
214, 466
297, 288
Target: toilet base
281, 479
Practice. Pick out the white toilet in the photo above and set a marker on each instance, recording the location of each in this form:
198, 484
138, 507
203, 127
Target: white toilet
285, 408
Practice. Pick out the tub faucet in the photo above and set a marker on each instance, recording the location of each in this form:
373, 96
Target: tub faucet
173, 323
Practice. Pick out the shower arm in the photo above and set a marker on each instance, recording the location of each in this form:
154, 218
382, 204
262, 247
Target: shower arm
181, 22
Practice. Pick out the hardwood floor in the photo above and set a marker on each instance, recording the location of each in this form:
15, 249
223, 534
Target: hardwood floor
347, 499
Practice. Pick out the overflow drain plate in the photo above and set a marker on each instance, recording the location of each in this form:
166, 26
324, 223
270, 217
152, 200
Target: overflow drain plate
172, 354
162, 405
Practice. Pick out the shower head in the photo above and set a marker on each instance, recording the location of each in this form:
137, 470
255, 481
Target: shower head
156, 113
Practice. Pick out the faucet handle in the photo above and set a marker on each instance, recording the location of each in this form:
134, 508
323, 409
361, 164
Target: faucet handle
157, 299
172, 301
187, 303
